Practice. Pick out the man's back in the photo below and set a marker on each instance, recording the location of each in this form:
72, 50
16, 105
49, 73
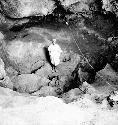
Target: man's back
55, 52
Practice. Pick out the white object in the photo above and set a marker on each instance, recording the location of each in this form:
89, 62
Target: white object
55, 52
114, 97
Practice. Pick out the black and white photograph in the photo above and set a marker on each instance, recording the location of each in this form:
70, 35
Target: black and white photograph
58, 62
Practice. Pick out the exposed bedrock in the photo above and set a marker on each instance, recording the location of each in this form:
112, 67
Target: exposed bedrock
84, 41
20, 8
26, 83
81, 3
25, 8
27, 53
27, 63
110, 6
24, 55
94, 5
85, 7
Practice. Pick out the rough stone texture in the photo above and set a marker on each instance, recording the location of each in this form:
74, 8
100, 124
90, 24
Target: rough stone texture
25, 8
110, 6
1, 36
106, 5
25, 52
26, 83
25, 56
69, 66
2, 69
11, 72
79, 7
46, 91
82, 6
114, 64
70, 2
5, 23
72, 95
45, 71
6, 82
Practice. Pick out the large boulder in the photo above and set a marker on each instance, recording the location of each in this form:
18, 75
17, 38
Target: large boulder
25, 8
26, 83
25, 55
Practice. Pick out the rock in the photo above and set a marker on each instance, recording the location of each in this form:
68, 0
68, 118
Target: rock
29, 83
106, 5
2, 70
11, 72
114, 96
4, 92
87, 88
6, 83
45, 71
110, 6
1, 36
81, 5
84, 41
67, 67
114, 64
72, 95
25, 56
43, 81
113, 99
21, 8
56, 83
26, 83
109, 77
46, 91
70, 2
5, 22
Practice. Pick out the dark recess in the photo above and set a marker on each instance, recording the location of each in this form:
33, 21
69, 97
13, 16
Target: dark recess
57, 17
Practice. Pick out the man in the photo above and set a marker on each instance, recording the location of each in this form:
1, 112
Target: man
54, 52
